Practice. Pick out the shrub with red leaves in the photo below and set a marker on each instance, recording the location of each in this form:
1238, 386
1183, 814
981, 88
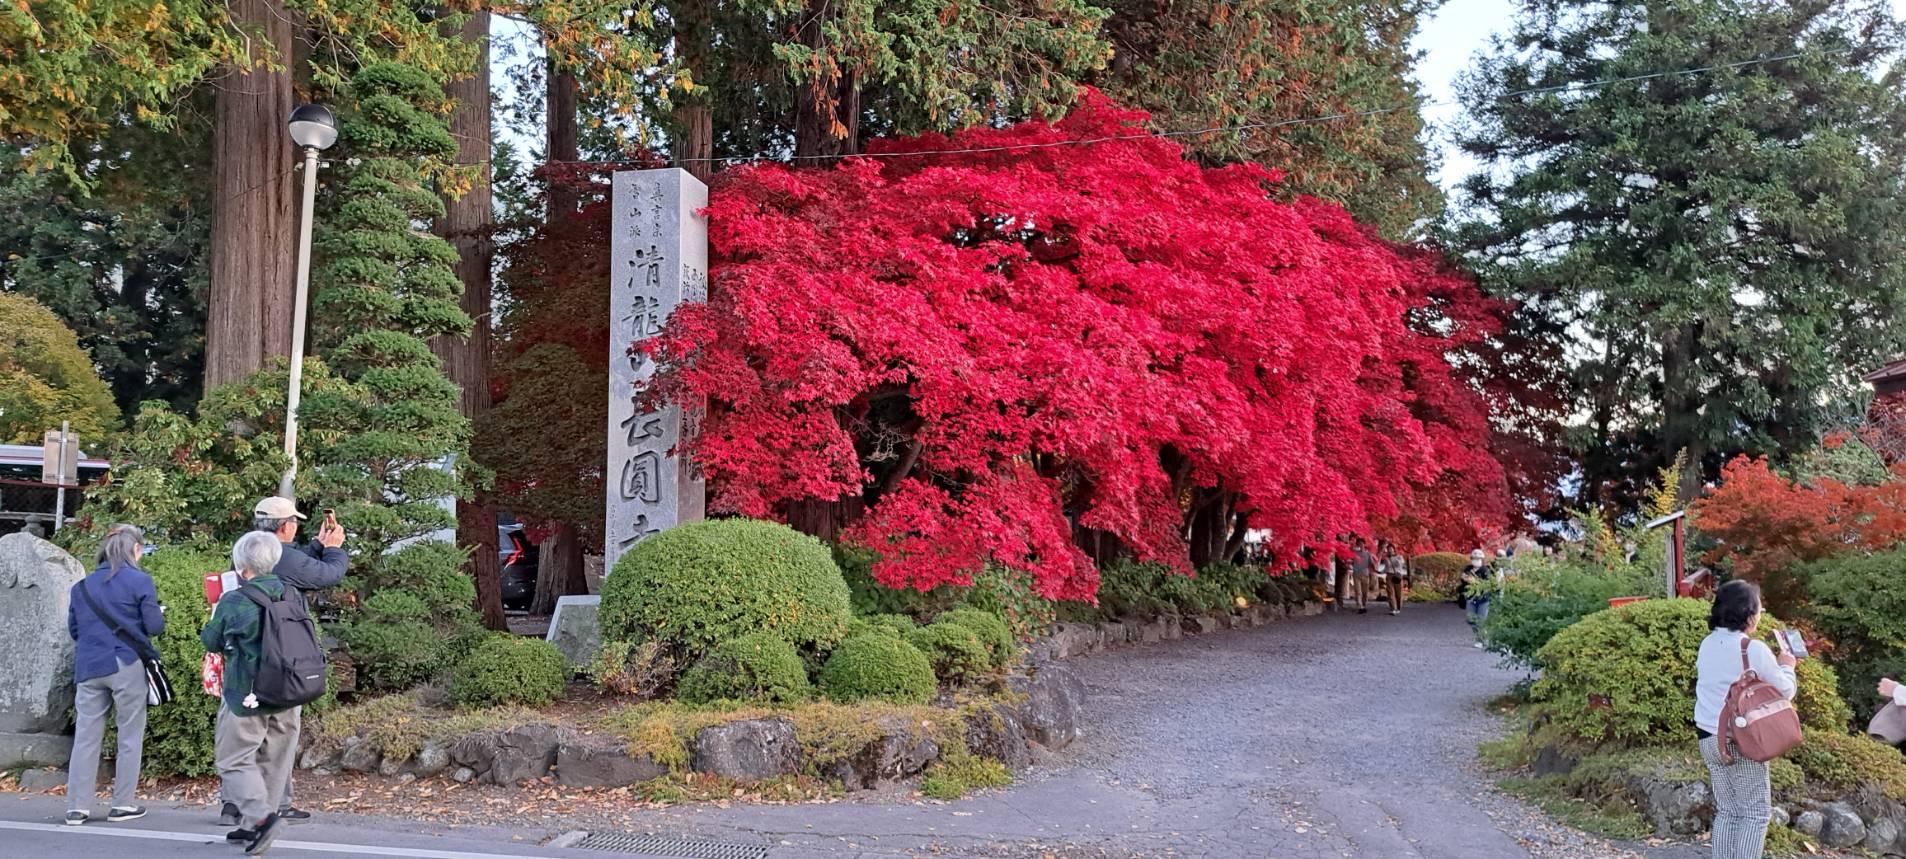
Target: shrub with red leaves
1011, 355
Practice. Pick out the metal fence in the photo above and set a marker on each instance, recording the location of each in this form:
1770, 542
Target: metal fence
23, 502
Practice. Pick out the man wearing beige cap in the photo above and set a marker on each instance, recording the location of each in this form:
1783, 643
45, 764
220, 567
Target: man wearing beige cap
320, 565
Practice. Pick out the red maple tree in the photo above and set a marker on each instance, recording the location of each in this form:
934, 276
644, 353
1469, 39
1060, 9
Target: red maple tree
1766, 525
1022, 355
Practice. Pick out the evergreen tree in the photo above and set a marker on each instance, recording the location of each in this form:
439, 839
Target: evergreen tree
383, 443
1213, 64
1721, 249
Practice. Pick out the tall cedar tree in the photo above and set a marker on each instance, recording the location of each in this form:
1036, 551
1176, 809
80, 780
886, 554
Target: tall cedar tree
818, 78
467, 224
971, 356
1210, 64
385, 287
1719, 248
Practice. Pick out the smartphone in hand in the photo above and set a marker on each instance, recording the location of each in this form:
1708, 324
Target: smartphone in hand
1792, 642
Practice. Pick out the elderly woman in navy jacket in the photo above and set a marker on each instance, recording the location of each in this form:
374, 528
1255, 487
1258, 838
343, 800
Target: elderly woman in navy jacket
108, 672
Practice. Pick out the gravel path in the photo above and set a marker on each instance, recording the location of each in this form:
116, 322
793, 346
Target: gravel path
1342, 735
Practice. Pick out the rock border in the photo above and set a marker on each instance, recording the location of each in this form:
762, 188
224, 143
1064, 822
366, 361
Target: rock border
1068, 640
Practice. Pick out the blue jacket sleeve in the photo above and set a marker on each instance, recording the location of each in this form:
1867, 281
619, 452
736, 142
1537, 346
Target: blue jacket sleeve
72, 613
149, 612
314, 568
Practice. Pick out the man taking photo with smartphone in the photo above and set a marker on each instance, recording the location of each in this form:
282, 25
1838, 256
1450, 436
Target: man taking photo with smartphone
316, 566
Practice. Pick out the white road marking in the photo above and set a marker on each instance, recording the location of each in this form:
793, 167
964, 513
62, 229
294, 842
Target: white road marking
281, 844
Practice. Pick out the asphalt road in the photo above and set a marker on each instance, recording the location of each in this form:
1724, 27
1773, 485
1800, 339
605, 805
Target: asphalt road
1339, 736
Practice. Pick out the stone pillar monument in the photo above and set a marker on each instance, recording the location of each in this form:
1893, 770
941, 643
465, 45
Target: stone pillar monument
658, 261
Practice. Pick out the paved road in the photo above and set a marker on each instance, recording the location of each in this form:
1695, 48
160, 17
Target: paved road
1343, 735
1340, 736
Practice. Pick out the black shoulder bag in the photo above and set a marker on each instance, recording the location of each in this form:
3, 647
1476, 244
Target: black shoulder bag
158, 688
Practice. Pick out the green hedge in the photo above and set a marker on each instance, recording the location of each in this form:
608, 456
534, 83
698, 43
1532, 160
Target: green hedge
955, 651
878, 667
505, 669
1639, 659
1439, 569
887, 624
992, 632
1006, 593
1859, 603
755, 667
179, 734
697, 585
1549, 596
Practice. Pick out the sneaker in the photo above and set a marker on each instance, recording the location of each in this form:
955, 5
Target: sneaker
123, 813
240, 835
261, 840
1478, 645
75, 818
228, 814
289, 813
1395, 611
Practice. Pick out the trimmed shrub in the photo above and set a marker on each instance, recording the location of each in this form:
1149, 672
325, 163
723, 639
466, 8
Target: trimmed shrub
885, 624
179, 735
1004, 592
1859, 603
881, 667
629, 668
1844, 762
393, 642
992, 632
1439, 569
694, 586
755, 667
1626, 675
956, 652
505, 669
1549, 596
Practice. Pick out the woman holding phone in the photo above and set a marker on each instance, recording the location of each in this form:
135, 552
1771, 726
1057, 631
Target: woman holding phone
1743, 801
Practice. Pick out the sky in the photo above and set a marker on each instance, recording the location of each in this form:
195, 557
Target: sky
1449, 40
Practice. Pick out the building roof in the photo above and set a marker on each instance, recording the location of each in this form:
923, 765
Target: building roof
1893, 370
32, 455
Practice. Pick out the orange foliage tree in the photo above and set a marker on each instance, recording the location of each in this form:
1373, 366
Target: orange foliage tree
1766, 525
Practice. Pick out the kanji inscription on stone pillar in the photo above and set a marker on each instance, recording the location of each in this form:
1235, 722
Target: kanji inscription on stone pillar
658, 261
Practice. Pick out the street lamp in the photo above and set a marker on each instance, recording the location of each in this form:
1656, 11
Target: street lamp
313, 128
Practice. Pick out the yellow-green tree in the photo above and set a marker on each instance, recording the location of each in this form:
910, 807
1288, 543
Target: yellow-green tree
46, 378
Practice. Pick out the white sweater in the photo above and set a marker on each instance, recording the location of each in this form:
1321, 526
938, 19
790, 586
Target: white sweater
1719, 665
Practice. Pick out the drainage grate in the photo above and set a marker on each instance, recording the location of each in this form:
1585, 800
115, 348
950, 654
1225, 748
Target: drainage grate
673, 848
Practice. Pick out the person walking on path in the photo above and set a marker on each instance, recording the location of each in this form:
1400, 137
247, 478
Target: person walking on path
112, 615
255, 744
1477, 583
1742, 790
314, 567
1392, 570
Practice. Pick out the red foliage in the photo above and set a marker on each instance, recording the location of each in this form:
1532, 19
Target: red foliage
1767, 524
1001, 354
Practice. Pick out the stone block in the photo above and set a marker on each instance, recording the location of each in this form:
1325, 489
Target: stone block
432, 760
1841, 826
575, 628
35, 749
898, 752
1054, 706
995, 732
1809, 823
360, 756
36, 678
1781, 817
1684, 808
1885, 836
1173, 628
753, 749
600, 762
37, 780
1205, 625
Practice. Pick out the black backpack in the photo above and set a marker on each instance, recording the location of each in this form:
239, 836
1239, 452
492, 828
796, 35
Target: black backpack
290, 662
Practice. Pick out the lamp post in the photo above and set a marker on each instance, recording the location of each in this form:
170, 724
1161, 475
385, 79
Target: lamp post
313, 128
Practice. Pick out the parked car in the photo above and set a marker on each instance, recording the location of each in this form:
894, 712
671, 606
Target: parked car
517, 557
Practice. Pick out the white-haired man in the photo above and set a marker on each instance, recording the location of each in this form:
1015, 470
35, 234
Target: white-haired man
256, 745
